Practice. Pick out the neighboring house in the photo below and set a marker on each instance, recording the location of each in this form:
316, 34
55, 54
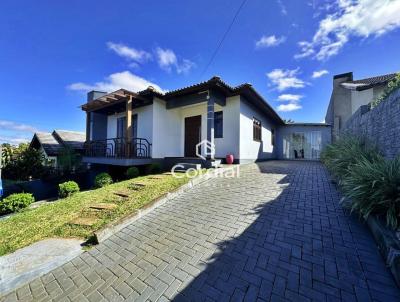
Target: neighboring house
348, 95
126, 128
51, 144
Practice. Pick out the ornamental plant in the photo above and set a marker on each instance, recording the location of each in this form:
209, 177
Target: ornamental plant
102, 180
68, 188
374, 188
132, 172
15, 202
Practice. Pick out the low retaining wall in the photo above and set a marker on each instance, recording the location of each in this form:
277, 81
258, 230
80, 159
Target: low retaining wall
379, 125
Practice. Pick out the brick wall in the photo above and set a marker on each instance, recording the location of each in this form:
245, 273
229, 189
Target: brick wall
380, 125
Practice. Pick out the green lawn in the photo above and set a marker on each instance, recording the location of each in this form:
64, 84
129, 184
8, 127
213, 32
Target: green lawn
54, 219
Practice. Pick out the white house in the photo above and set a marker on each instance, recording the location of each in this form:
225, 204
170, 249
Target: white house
135, 128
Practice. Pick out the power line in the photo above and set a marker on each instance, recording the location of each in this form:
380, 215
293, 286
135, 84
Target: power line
223, 38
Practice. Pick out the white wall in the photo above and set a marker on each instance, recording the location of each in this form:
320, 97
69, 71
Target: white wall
251, 150
229, 143
167, 131
145, 123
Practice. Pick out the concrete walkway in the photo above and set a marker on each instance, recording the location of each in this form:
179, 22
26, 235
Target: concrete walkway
277, 233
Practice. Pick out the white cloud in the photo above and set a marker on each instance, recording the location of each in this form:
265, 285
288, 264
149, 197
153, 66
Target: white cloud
13, 140
115, 81
284, 79
282, 7
270, 41
14, 126
129, 53
319, 73
167, 60
289, 107
290, 97
362, 18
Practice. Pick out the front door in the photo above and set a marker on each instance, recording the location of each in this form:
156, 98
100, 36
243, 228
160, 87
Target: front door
192, 134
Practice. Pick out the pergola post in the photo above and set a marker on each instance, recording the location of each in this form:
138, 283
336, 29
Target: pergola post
128, 133
210, 125
88, 126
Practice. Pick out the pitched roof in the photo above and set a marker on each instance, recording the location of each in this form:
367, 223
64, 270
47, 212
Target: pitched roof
215, 82
73, 139
367, 83
48, 142
53, 143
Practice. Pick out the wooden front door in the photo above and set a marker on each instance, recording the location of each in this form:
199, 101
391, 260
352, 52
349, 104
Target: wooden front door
192, 134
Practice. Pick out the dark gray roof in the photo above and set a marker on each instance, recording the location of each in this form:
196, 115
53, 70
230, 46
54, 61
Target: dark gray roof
52, 143
71, 138
309, 124
245, 89
367, 83
48, 142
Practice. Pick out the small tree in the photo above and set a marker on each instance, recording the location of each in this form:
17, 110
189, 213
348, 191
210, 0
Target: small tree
69, 159
29, 163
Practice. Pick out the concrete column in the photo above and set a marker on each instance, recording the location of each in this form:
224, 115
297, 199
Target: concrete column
210, 122
88, 125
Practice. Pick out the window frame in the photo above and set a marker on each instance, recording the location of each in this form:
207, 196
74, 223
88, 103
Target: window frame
257, 130
217, 134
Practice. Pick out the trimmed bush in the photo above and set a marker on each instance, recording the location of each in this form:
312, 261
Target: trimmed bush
374, 188
102, 179
15, 202
153, 168
67, 189
132, 172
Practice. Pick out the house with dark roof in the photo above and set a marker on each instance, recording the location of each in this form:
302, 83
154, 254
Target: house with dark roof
199, 123
348, 95
52, 144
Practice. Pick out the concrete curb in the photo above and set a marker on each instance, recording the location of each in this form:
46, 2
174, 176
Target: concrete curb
112, 228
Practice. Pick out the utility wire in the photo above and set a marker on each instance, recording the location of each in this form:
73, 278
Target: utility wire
223, 38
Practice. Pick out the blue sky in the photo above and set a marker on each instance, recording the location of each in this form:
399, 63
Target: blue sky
53, 52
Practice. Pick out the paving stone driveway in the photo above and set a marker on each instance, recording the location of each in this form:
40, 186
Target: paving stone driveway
277, 233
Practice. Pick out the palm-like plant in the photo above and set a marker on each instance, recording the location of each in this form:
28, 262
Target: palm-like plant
345, 152
374, 187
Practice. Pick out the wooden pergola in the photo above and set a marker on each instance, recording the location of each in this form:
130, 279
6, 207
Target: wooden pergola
120, 96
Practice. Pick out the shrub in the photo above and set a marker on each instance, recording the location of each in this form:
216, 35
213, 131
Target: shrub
345, 152
102, 179
370, 183
153, 168
374, 187
15, 202
67, 189
132, 172
391, 86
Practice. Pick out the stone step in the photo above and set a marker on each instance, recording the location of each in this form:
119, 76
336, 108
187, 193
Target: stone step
103, 206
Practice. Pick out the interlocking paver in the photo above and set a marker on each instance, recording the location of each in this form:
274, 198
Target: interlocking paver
276, 233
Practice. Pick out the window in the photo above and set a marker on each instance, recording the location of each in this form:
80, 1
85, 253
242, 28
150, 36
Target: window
256, 130
121, 125
273, 137
218, 124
